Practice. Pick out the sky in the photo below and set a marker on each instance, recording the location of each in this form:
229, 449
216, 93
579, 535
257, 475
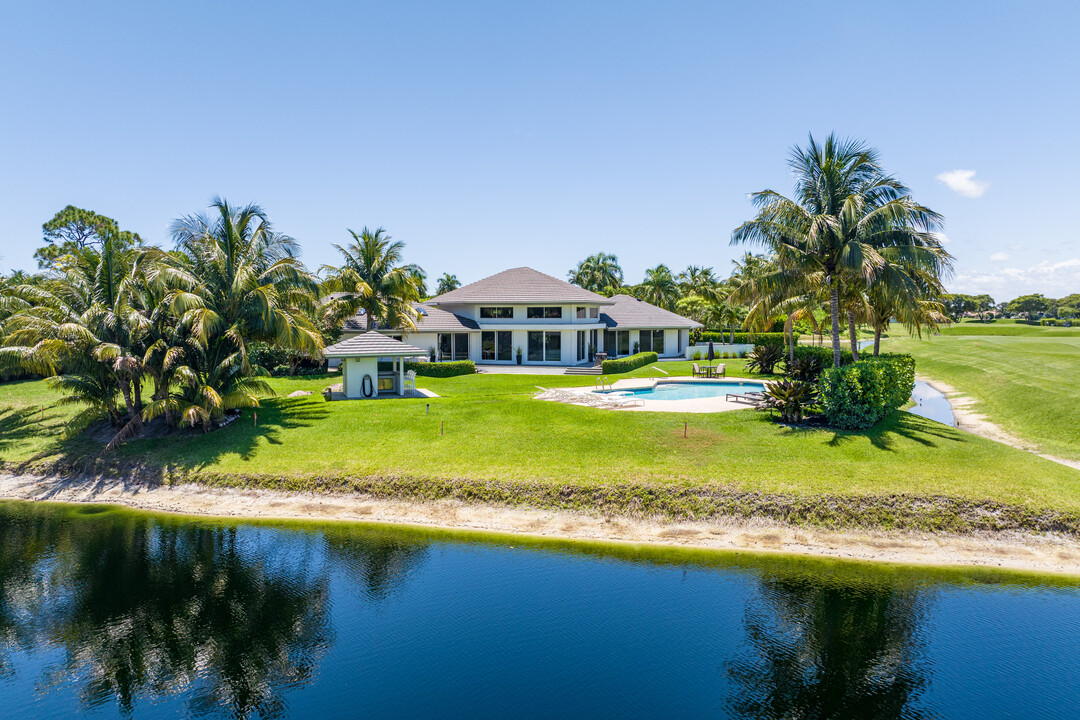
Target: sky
498, 134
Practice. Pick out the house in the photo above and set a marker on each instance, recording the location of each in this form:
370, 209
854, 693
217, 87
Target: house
549, 320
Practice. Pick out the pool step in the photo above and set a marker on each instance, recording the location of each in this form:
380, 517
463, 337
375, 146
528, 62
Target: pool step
582, 371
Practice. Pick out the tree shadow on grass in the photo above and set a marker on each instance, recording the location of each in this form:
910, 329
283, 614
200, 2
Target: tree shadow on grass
900, 424
17, 425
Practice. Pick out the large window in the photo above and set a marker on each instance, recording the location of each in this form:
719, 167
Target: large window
453, 346
543, 313
544, 347
496, 345
652, 341
594, 312
617, 342
580, 313
497, 313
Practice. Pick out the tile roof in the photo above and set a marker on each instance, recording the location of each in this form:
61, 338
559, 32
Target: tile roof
371, 344
431, 319
629, 312
520, 285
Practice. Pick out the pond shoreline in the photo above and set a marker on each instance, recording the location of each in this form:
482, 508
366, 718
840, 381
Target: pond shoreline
976, 423
1056, 553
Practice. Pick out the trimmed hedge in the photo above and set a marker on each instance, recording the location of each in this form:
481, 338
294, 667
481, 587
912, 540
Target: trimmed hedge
626, 364
742, 338
442, 369
823, 353
862, 394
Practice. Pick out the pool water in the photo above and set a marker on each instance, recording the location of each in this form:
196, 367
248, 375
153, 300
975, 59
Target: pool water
692, 391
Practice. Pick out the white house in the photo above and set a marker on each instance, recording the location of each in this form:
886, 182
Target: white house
551, 321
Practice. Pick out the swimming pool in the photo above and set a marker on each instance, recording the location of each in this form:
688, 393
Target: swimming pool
690, 390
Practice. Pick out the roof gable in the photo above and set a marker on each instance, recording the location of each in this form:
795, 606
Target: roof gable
520, 285
372, 344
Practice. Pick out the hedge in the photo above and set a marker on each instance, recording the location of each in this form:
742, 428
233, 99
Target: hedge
626, 364
824, 353
861, 394
742, 338
442, 369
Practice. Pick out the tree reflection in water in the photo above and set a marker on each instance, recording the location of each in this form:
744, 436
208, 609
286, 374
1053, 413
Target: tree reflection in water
380, 560
830, 650
141, 608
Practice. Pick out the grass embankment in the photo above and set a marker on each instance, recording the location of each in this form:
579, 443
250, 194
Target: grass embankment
1027, 382
1009, 328
499, 445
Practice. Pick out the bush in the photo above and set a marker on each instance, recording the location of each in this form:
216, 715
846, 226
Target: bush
861, 394
442, 369
696, 355
763, 358
626, 364
790, 397
741, 338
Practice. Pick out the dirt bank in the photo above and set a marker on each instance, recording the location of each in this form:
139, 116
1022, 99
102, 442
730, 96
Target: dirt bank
1039, 552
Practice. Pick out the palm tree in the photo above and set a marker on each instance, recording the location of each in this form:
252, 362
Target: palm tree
848, 218
659, 287
599, 273
447, 283
698, 281
249, 284
374, 280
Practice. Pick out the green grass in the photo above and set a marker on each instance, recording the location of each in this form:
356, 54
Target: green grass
492, 429
1010, 328
1027, 382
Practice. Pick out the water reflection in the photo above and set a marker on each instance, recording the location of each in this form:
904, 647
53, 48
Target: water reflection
830, 650
137, 608
127, 614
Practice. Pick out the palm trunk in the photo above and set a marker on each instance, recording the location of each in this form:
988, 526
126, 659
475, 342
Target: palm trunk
137, 395
853, 336
834, 308
125, 390
877, 340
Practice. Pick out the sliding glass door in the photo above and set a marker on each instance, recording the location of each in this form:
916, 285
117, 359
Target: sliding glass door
497, 345
544, 346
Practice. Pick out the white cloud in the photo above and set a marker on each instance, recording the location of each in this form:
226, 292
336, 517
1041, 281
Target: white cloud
964, 183
1053, 279
999, 257
942, 238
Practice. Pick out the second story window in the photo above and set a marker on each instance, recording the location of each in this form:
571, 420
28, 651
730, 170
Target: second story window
580, 312
594, 312
544, 313
497, 313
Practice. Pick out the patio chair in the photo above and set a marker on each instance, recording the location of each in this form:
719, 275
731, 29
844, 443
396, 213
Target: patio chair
697, 371
720, 371
410, 380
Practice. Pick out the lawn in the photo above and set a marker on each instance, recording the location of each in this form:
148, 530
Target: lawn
1028, 381
1010, 328
488, 427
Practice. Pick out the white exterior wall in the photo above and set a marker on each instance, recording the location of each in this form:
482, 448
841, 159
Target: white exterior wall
352, 375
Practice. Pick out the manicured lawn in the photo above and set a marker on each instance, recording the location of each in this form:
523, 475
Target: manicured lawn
493, 429
1009, 327
1028, 382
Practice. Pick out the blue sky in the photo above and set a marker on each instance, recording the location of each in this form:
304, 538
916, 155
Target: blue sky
492, 135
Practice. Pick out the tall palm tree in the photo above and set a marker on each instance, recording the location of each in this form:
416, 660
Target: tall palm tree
599, 273
698, 281
249, 283
659, 287
447, 283
846, 218
373, 279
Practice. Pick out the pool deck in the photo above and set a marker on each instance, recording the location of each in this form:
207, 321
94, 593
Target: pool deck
695, 405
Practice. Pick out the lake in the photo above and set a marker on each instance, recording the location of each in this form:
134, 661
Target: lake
112, 613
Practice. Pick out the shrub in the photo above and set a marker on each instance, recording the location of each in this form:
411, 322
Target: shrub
696, 355
790, 397
442, 369
861, 394
763, 358
824, 352
626, 364
742, 353
761, 338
